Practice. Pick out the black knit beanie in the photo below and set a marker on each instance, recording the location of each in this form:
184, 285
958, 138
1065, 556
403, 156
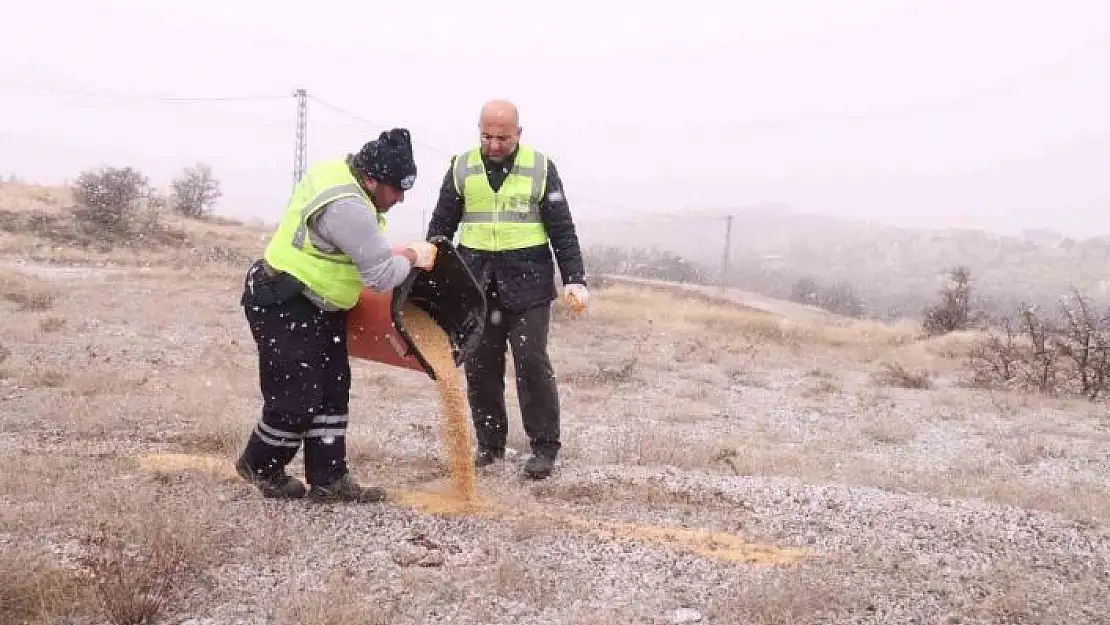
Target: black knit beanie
388, 159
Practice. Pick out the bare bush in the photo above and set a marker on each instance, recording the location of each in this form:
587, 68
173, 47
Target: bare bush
1084, 340
996, 359
805, 291
140, 562
840, 298
898, 375
25, 293
954, 310
149, 218
109, 199
195, 192
132, 584
1069, 354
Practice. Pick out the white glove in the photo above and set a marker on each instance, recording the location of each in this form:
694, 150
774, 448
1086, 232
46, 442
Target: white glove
425, 254
576, 297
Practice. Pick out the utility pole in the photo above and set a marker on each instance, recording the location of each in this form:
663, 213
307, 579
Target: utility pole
300, 152
728, 247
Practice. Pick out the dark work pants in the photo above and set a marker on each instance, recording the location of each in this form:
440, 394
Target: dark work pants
305, 379
525, 334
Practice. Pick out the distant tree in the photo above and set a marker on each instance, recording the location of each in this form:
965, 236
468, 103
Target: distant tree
805, 291
841, 298
954, 310
195, 192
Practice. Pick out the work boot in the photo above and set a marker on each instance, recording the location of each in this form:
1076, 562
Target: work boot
487, 456
278, 486
345, 489
539, 466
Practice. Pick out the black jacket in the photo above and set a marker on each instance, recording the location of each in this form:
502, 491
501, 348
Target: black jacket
518, 279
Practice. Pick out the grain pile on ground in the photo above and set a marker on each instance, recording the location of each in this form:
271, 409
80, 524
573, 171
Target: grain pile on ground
720, 466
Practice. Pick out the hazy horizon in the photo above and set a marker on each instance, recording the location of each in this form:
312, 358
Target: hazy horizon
916, 114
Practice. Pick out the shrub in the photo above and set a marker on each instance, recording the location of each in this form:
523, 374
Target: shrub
898, 375
954, 310
195, 192
840, 297
109, 199
1069, 354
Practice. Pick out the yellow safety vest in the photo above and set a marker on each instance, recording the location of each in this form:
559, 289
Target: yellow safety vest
334, 277
508, 219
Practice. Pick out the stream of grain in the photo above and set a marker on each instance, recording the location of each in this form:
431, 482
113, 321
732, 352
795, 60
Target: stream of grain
436, 347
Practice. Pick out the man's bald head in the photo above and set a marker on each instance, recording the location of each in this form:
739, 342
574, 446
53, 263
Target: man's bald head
500, 111
499, 125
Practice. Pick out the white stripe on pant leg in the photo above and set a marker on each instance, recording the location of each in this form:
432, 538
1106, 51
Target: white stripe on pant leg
275, 442
337, 419
272, 431
326, 435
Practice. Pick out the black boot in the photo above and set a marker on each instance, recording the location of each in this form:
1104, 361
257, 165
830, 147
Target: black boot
487, 456
539, 466
278, 486
345, 489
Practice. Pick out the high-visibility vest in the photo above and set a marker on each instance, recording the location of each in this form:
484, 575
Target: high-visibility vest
332, 276
509, 218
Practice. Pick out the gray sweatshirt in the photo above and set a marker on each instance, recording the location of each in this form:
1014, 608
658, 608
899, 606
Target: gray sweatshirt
348, 225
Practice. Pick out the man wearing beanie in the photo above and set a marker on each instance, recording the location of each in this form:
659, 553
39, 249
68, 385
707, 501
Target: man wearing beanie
506, 200
329, 245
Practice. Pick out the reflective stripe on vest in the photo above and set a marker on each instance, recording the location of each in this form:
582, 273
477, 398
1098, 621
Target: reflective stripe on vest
510, 217
300, 235
332, 276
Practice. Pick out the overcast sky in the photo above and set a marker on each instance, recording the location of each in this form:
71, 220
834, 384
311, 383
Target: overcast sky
932, 113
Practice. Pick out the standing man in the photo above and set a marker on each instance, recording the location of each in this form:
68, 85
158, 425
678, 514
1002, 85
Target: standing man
329, 244
507, 201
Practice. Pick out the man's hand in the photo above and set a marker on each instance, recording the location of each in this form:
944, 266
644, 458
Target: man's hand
576, 297
424, 254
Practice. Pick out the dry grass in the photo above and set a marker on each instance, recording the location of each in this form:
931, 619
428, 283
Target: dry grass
135, 576
36, 223
340, 601
801, 595
136, 551
889, 429
25, 292
35, 589
648, 380
734, 325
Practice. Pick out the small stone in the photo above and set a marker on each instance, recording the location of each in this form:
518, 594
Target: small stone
409, 555
432, 558
685, 615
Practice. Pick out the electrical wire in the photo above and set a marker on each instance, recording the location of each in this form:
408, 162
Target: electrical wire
369, 122
436, 149
641, 215
148, 97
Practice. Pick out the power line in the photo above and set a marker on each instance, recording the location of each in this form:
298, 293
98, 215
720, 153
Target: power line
431, 147
149, 97
375, 124
301, 142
